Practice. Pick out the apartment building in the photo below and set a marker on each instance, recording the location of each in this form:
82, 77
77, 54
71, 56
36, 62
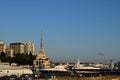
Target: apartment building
29, 48
3, 47
18, 48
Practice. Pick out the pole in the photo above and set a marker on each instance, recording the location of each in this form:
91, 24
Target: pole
104, 60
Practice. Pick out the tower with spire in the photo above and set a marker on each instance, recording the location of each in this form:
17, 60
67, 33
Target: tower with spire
41, 59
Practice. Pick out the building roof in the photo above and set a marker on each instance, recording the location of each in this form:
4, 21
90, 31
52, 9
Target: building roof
7, 67
17, 43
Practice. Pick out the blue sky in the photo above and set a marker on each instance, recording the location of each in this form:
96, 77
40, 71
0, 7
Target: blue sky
71, 28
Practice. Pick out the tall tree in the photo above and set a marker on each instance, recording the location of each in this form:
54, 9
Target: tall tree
3, 54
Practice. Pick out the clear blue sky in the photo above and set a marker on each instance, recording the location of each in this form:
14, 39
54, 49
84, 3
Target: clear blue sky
71, 28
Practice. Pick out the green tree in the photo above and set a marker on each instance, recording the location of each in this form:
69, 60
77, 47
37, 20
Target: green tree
21, 59
24, 59
2, 54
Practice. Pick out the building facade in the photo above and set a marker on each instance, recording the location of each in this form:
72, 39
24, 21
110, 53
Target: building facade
29, 48
42, 60
3, 47
9, 52
18, 48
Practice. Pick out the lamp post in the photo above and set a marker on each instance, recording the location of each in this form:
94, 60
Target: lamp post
104, 61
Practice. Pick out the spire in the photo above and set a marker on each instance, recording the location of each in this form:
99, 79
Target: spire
41, 45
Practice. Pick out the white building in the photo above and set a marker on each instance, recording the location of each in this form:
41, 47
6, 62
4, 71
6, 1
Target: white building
16, 70
29, 48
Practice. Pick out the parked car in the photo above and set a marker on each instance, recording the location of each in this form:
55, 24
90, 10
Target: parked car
5, 78
13, 77
26, 77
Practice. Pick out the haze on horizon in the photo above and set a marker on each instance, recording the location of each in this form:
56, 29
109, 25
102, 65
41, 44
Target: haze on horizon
71, 28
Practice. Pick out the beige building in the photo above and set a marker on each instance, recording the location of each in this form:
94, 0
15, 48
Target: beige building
41, 59
29, 48
9, 52
3, 47
18, 48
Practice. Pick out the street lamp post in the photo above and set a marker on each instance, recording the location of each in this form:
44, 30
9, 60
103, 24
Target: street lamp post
104, 60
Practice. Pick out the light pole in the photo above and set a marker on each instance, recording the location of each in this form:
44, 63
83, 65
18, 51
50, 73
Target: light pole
104, 61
